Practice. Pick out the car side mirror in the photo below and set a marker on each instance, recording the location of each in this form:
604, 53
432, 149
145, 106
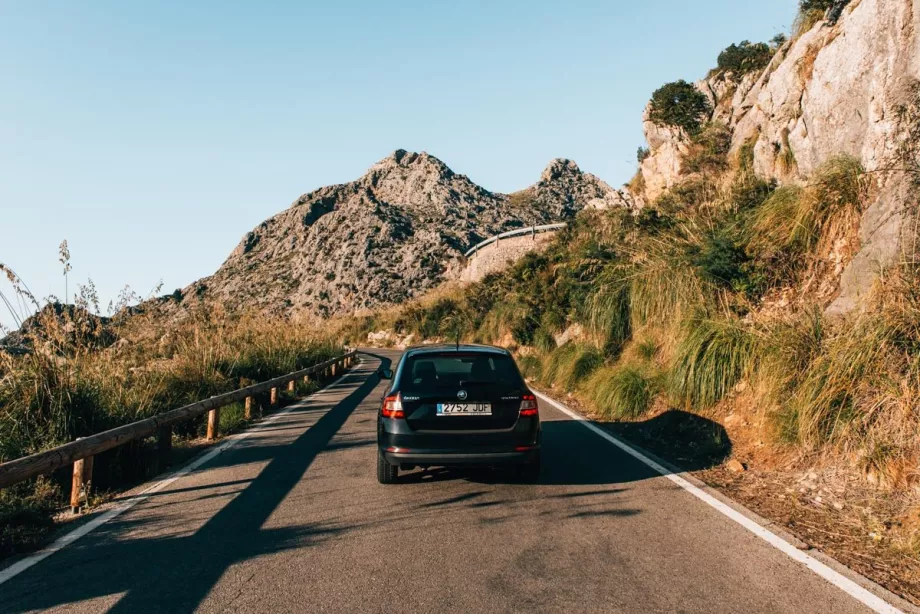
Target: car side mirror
385, 373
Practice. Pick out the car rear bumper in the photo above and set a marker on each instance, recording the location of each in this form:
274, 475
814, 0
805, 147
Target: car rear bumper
452, 459
400, 445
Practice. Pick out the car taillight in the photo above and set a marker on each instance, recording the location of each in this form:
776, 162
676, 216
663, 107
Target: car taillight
392, 407
529, 405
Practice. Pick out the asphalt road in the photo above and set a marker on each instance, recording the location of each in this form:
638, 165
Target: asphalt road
292, 519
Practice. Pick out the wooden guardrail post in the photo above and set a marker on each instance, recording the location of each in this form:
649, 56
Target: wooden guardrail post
164, 447
274, 398
81, 483
291, 386
213, 423
247, 412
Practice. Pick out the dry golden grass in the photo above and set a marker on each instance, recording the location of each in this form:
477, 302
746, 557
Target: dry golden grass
75, 374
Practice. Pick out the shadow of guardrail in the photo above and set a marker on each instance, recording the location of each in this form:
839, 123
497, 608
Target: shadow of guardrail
175, 574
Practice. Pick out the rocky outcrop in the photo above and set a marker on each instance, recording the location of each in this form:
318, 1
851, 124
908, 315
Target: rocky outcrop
398, 231
661, 169
563, 182
848, 86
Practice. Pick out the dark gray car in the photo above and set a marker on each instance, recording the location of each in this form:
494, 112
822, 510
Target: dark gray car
457, 405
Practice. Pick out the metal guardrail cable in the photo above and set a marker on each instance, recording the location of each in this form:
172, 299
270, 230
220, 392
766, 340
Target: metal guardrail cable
532, 230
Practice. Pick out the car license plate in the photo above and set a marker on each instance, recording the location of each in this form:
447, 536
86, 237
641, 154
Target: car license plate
464, 409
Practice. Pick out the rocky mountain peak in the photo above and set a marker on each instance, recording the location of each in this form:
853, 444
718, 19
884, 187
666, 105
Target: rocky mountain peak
422, 162
392, 234
559, 168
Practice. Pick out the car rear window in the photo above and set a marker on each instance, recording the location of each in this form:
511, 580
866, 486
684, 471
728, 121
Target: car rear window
433, 372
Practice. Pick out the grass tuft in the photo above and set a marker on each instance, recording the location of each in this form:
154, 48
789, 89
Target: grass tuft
825, 400
622, 392
711, 357
609, 315
571, 364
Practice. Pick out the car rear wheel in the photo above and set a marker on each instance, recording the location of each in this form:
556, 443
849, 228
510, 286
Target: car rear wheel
386, 473
530, 472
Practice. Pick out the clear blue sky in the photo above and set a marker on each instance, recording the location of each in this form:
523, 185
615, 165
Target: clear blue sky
153, 135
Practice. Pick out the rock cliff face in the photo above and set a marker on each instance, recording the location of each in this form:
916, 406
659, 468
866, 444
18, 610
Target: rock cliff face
398, 231
849, 87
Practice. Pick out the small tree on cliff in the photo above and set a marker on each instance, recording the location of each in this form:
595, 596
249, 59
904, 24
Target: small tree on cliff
681, 105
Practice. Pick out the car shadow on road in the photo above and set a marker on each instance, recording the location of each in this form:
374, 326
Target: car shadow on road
572, 456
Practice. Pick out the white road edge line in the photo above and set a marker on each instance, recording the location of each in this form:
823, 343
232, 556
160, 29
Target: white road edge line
870, 600
65, 540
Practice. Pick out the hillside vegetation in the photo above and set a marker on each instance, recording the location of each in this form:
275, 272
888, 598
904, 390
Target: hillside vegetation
715, 298
716, 287
73, 374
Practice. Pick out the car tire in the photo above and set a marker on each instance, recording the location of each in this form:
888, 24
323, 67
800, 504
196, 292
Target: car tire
386, 473
530, 473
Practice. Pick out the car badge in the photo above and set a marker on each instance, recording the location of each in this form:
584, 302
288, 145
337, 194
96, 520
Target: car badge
462, 395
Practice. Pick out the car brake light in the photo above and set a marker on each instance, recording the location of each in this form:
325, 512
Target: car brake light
393, 407
529, 405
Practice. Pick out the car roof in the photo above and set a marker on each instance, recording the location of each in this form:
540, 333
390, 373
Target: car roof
442, 348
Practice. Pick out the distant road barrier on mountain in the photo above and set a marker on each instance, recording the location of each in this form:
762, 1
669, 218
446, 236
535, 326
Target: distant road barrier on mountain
533, 231
82, 451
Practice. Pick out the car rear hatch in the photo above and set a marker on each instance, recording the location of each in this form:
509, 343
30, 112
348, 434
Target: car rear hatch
461, 391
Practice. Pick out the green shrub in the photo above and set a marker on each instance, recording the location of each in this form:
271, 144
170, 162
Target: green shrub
622, 392
531, 366
748, 193
695, 191
711, 357
722, 260
586, 362
642, 154
824, 401
523, 329
813, 11
544, 341
745, 57
553, 319
816, 5
663, 287
795, 218
557, 362
571, 364
609, 314
681, 105
708, 150
646, 349
655, 219
789, 347
775, 225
